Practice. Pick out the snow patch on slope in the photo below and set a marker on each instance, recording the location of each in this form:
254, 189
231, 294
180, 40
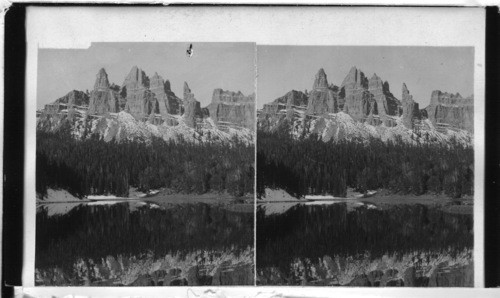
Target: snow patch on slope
277, 195
342, 126
125, 127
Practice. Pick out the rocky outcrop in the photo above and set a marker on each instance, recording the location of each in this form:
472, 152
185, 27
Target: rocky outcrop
359, 103
224, 96
192, 109
101, 82
354, 80
141, 102
365, 98
74, 98
320, 80
410, 108
321, 99
287, 101
150, 99
293, 98
451, 110
103, 99
369, 101
232, 108
387, 104
168, 103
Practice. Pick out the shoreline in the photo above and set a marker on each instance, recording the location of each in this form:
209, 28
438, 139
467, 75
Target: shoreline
163, 198
385, 199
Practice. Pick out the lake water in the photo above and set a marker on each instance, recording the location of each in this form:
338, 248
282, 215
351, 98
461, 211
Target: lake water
143, 244
342, 245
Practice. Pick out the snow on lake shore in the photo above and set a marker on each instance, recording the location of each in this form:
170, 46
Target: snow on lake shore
58, 196
277, 195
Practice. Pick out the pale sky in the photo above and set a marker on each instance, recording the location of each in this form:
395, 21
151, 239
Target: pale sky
229, 66
423, 69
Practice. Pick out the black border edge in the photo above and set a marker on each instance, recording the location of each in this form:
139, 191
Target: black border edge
492, 149
13, 145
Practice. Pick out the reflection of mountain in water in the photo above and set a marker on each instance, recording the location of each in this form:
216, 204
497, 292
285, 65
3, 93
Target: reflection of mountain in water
89, 234
363, 238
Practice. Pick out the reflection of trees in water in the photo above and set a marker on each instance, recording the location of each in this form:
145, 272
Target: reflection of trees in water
98, 231
315, 231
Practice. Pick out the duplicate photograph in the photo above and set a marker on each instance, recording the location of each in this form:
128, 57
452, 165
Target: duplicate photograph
145, 165
365, 166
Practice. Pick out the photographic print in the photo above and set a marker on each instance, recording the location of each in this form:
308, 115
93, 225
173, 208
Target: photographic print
365, 166
145, 165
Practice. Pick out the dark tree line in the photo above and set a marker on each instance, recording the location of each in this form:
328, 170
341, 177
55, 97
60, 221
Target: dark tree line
93, 166
311, 166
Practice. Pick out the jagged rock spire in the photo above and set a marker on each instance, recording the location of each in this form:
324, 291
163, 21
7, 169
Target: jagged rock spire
136, 78
101, 82
355, 79
405, 93
186, 88
320, 80
411, 109
376, 84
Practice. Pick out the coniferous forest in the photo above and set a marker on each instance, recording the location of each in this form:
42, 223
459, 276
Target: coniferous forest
93, 166
312, 166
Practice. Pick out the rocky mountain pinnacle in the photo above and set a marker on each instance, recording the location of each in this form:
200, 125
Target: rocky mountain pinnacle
157, 84
141, 102
365, 98
192, 109
103, 99
320, 80
168, 103
354, 80
101, 82
321, 99
410, 108
136, 79
359, 102
187, 95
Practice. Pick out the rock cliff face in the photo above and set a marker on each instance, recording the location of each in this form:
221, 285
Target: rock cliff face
365, 98
232, 108
410, 108
141, 102
358, 102
74, 98
192, 109
103, 99
151, 99
168, 103
447, 109
387, 104
322, 99
362, 108
293, 98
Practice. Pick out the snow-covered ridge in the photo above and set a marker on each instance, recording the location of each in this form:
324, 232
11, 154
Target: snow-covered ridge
341, 126
123, 126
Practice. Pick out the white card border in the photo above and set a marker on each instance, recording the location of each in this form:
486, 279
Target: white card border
416, 26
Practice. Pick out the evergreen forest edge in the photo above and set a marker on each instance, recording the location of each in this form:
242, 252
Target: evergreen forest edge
309, 165
93, 166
